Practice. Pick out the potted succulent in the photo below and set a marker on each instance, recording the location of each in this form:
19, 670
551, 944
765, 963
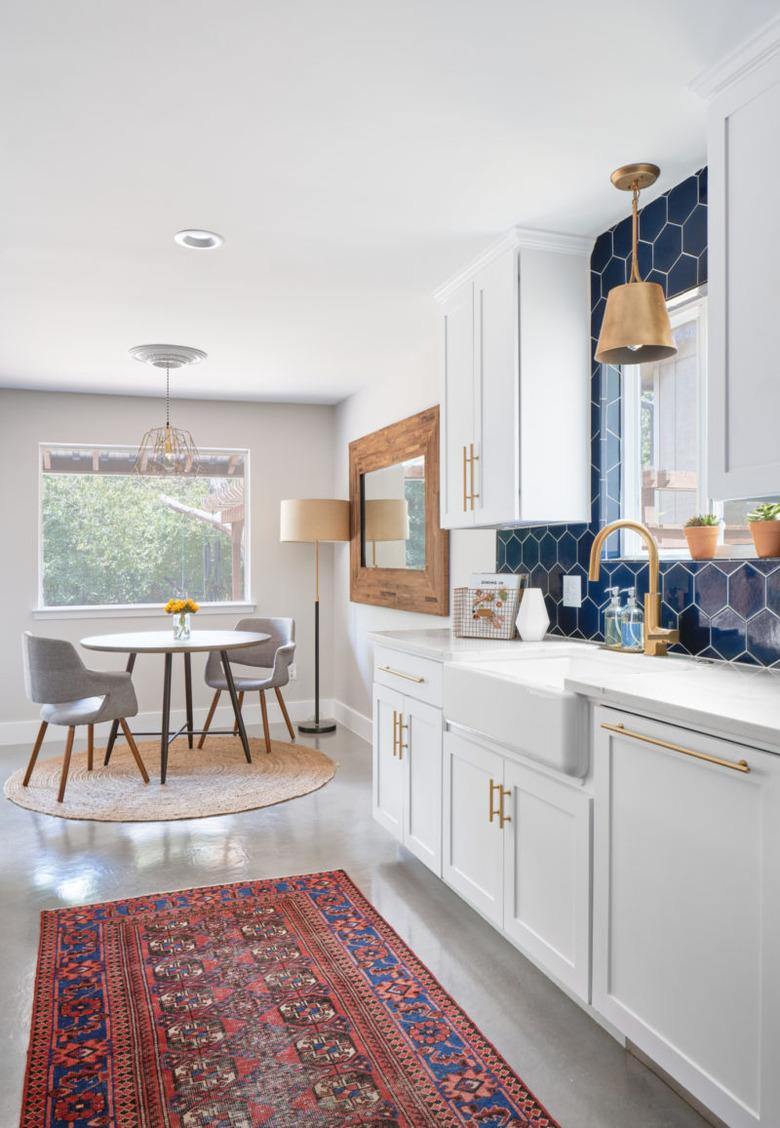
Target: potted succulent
701, 533
764, 523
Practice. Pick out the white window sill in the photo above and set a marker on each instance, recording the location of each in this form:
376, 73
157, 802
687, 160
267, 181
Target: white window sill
134, 611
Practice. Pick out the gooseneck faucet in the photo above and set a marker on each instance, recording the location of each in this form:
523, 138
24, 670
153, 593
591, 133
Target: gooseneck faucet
657, 638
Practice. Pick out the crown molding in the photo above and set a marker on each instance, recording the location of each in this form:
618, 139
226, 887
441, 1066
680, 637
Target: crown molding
514, 239
745, 58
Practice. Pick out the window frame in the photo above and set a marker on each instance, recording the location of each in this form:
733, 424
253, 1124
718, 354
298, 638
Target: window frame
631, 545
137, 610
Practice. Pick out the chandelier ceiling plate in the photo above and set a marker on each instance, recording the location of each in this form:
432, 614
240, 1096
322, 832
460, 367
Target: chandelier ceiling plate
167, 356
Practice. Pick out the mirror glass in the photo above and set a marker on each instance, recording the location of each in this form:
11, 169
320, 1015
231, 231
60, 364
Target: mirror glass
393, 509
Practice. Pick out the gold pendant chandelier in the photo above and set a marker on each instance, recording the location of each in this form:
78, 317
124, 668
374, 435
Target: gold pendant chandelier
636, 325
167, 449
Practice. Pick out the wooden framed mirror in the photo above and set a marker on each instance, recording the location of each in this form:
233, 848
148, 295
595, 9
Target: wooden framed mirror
399, 556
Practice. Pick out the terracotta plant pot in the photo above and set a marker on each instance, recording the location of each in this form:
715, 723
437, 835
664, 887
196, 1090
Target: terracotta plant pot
702, 541
766, 537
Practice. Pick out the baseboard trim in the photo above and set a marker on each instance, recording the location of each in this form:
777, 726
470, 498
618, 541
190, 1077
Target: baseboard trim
24, 732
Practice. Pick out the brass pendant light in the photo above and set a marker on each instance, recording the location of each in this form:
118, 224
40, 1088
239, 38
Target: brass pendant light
167, 449
636, 325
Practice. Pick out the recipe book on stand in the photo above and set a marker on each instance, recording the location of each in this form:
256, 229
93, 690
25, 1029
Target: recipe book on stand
488, 607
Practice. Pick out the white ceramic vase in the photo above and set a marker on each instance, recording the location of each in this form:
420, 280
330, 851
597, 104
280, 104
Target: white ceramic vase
532, 619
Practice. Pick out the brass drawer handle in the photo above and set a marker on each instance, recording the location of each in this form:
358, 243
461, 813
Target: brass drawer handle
465, 481
736, 766
472, 459
401, 674
401, 729
493, 813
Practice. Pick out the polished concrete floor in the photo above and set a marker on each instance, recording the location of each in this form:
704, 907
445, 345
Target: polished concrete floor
575, 1068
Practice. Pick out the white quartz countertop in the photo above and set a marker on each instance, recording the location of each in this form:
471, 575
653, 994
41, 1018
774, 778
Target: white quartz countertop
740, 702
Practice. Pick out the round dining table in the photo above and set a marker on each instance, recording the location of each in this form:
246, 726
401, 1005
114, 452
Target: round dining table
134, 643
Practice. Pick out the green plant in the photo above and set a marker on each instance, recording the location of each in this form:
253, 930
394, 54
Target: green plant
766, 511
702, 519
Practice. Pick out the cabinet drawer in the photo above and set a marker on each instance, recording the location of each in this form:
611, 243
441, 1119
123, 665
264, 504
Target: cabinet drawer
416, 677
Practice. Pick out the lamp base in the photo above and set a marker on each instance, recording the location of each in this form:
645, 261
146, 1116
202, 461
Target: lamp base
315, 727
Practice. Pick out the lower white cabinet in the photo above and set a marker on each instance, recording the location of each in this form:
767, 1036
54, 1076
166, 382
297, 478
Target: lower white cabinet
517, 847
686, 937
407, 772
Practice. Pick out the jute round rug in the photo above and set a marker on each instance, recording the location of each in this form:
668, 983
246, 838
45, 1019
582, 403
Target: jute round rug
213, 781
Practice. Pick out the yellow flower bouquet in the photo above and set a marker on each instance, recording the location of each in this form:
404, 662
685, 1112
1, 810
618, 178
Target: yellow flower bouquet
181, 609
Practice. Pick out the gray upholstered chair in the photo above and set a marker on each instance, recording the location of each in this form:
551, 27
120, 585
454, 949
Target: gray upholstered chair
71, 695
273, 658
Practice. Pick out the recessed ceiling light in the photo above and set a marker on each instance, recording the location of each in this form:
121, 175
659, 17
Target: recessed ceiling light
198, 240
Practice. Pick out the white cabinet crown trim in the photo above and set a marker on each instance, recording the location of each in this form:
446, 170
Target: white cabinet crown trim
514, 239
739, 62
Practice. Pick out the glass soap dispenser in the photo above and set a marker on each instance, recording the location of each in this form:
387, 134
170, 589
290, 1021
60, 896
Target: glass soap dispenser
632, 623
612, 617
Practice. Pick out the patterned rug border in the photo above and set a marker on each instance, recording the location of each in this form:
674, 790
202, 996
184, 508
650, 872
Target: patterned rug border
482, 1044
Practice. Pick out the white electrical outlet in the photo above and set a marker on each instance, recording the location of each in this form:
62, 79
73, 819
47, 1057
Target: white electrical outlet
572, 591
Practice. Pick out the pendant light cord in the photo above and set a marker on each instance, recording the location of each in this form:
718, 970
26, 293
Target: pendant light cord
635, 275
168, 395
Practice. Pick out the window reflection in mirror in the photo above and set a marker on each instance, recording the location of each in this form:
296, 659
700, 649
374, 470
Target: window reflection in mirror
393, 524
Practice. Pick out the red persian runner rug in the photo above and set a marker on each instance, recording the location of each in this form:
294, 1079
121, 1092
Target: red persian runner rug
284, 1002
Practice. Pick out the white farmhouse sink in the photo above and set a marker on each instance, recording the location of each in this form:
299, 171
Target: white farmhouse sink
522, 702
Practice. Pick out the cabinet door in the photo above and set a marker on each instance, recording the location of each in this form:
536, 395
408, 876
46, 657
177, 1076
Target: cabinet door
457, 407
497, 391
388, 769
547, 874
422, 754
686, 888
744, 250
473, 844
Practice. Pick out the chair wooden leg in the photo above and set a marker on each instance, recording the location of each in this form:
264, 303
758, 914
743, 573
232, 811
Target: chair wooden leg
285, 714
35, 751
134, 749
240, 707
90, 747
209, 718
266, 733
66, 763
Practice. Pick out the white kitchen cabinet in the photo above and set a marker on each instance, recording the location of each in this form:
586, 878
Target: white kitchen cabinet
407, 772
515, 380
686, 913
473, 841
517, 848
547, 874
744, 280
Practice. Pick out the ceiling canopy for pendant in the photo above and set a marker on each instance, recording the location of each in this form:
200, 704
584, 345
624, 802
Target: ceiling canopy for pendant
636, 326
167, 449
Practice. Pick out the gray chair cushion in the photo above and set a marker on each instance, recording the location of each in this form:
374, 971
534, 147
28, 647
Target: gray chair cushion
274, 657
83, 712
56, 676
245, 682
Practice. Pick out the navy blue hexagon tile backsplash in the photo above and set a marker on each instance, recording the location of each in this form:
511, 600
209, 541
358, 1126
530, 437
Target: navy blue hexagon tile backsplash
727, 609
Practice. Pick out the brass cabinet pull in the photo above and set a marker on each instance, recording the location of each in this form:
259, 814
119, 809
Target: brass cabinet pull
401, 728
498, 812
465, 481
395, 733
736, 766
472, 459
401, 674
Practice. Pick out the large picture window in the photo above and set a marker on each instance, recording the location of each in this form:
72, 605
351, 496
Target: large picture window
111, 537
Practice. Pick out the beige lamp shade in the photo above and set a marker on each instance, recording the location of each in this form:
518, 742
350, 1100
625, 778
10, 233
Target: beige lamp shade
636, 326
386, 519
314, 519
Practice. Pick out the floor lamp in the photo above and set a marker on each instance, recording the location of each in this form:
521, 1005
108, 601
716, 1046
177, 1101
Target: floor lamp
313, 520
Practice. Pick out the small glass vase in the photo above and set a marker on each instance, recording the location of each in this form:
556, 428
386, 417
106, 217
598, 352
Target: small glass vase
181, 626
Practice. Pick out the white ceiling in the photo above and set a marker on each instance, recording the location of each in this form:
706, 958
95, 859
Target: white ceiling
353, 153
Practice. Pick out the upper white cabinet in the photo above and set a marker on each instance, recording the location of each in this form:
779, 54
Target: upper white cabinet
744, 279
515, 385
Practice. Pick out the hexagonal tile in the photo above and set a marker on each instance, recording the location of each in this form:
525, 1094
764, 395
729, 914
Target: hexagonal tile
644, 254
683, 199
727, 633
567, 551
763, 637
678, 587
514, 554
667, 247
702, 177
702, 278
602, 252
694, 628
710, 588
589, 618
613, 275
652, 218
773, 591
547, 550
540, 579
683, 275
747, 590
555, 582
695, 231
621, 238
